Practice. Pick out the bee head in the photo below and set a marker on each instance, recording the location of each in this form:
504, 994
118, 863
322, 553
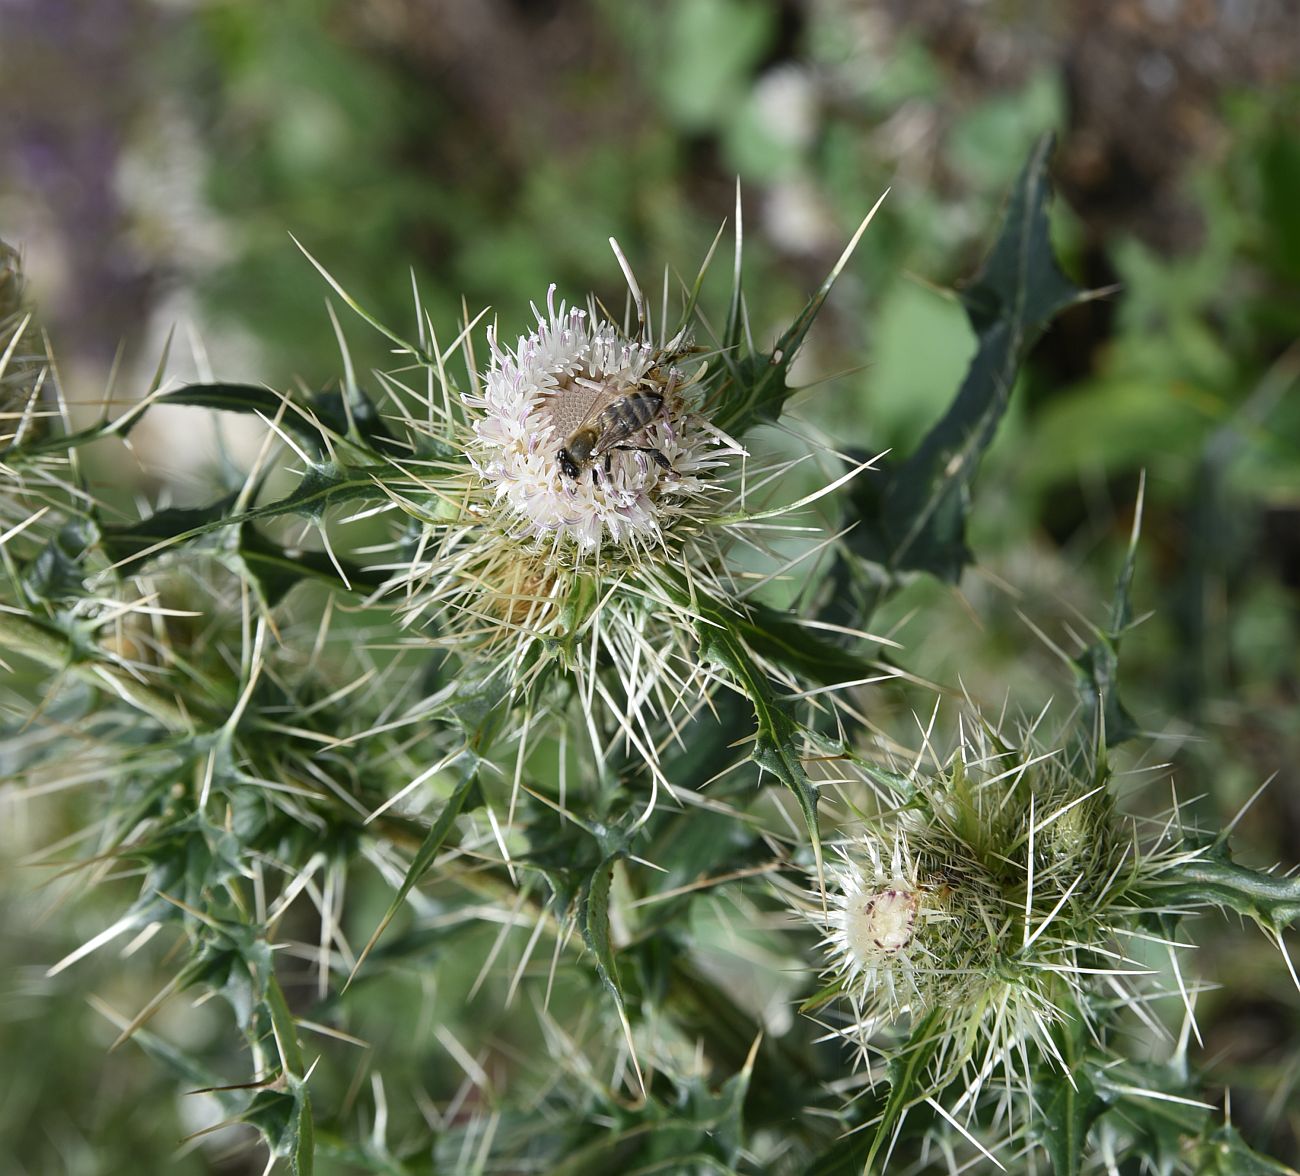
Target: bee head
568, 467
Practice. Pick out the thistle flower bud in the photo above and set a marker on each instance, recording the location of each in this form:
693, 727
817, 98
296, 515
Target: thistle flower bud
994, 895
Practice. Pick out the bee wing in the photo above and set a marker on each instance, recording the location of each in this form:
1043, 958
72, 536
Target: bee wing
621, 428
570, 420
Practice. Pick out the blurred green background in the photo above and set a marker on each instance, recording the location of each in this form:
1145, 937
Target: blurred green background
155, 157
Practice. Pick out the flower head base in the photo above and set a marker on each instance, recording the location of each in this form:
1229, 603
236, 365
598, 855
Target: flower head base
575, 385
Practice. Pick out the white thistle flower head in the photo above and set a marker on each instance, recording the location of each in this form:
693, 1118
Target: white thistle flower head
577, 504
877, 924
589, 440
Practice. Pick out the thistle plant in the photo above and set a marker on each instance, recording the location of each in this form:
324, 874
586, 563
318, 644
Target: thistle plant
995, 912
486, 779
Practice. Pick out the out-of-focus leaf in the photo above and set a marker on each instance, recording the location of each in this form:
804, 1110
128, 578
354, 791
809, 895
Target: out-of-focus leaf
424, 857
915, 519
1160, 1127
353, 414
1069, 1103
252, 400
130, 546
327, 413
847, 1156
275, 569
57, 574
1097, 667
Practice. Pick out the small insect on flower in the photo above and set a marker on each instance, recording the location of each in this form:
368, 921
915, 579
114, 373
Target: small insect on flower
611, 420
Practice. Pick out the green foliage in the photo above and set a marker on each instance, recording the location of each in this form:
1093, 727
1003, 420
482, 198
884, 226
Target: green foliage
576, 904
914, 519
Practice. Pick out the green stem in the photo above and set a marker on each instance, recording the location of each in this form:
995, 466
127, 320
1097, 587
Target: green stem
53, 649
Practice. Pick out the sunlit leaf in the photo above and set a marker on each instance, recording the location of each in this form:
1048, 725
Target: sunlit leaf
914, 518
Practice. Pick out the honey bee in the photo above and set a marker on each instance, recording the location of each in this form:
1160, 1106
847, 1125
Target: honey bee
606, 427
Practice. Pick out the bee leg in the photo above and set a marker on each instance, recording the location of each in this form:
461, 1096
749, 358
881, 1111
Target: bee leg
660, 460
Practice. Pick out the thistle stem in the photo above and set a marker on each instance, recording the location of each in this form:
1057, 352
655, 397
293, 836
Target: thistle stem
52, 649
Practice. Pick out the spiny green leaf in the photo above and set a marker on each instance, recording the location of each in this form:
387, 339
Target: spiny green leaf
1096, 674
780, 639
321, 487
776, 740
593, 919
824, 995
284, 1119
48, 644
302, 1157
1223, 1152
49, 443
286, 1031
915, 520
480, 708
595, 927
909, 1083
425, 856
353, 415
181, 1062
1069, 1103
1103, 716
1272, 902
756, 388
